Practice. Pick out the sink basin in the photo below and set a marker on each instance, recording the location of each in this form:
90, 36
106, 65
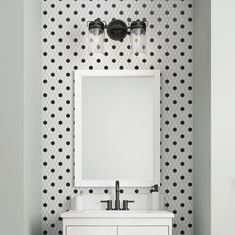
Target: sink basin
117, 214
118, 211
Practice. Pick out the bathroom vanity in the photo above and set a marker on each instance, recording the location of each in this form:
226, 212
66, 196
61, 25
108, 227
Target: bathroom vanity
117, 137
117, 222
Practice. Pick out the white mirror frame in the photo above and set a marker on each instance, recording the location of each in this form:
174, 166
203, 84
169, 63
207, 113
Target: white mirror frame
83, 74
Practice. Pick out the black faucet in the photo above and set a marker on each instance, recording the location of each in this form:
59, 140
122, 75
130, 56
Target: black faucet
117, 196
117, 200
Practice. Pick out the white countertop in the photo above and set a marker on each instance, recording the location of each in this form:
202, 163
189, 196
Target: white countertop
117, 214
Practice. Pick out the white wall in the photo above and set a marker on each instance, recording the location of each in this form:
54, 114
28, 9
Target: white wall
11, 124
223, 113
20, 117
202, 115
32, 117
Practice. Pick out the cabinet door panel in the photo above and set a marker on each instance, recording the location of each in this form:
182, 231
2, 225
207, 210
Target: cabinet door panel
143, 230
91, 230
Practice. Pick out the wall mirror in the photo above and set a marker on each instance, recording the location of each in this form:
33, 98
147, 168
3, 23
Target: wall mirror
117, 128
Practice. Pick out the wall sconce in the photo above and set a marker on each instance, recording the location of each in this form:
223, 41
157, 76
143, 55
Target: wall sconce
96, 36
117, 30
138, 37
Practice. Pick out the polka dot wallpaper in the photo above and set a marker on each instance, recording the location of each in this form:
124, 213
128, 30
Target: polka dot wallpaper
65, 49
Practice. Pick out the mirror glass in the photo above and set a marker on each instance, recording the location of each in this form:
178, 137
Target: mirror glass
117, 135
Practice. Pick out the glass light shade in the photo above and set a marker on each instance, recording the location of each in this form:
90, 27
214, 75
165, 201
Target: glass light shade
138, 41
96, 41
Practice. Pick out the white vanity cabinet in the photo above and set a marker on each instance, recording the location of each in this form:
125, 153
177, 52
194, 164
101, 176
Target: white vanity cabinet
88, 230
147, 230
117, 223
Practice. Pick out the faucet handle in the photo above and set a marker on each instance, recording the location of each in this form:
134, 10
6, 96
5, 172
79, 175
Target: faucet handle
126, 203
109, 204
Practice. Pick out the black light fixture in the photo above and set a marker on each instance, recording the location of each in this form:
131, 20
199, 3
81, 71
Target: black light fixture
138, 37
117, 30
96, 36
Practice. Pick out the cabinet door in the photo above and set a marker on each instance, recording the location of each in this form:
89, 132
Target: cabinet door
143, 230
91, 230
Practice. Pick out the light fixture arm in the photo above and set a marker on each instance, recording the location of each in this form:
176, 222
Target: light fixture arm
117, 30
